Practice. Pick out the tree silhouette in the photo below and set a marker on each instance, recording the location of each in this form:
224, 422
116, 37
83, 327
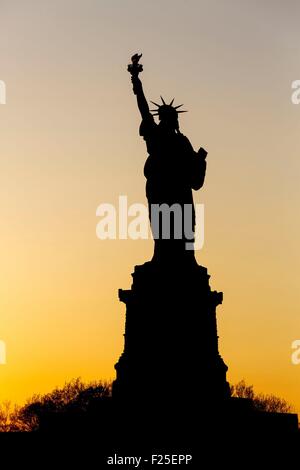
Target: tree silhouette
73, 398
77, 398
261, 402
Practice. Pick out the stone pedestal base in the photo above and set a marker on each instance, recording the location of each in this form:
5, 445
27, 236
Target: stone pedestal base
171, 342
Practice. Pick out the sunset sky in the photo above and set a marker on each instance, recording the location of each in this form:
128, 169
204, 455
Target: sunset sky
69, 141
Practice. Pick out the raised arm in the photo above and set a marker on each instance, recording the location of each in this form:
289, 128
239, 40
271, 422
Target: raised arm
134, 69
141, 100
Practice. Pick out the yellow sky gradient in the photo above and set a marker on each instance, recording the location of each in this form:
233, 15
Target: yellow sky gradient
69, 141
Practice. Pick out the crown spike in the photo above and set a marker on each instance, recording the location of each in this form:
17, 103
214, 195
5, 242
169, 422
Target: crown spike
155, 104
163, 100
172, 102
176, 107
181, 112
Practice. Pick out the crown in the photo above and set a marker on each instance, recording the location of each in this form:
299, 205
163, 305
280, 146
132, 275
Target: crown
165, 109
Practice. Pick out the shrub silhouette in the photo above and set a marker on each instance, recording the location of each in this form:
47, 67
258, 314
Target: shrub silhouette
76, 399
261, 402
10, 418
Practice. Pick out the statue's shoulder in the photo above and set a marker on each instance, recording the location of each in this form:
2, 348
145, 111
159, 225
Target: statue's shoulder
148, 126
184, 141
182, 137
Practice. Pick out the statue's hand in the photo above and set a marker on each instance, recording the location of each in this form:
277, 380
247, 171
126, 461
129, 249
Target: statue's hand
135, 79
137, 84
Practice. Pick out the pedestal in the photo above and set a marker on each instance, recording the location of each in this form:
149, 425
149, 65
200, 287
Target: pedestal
171, 342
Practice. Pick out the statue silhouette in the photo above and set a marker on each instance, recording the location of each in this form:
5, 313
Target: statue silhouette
173, 169
170, 398
170, 328
171, 335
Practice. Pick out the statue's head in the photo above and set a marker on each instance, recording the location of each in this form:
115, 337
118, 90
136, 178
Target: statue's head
167, 114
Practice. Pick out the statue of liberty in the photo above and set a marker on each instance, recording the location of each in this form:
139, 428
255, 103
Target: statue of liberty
173, 169
171, 326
